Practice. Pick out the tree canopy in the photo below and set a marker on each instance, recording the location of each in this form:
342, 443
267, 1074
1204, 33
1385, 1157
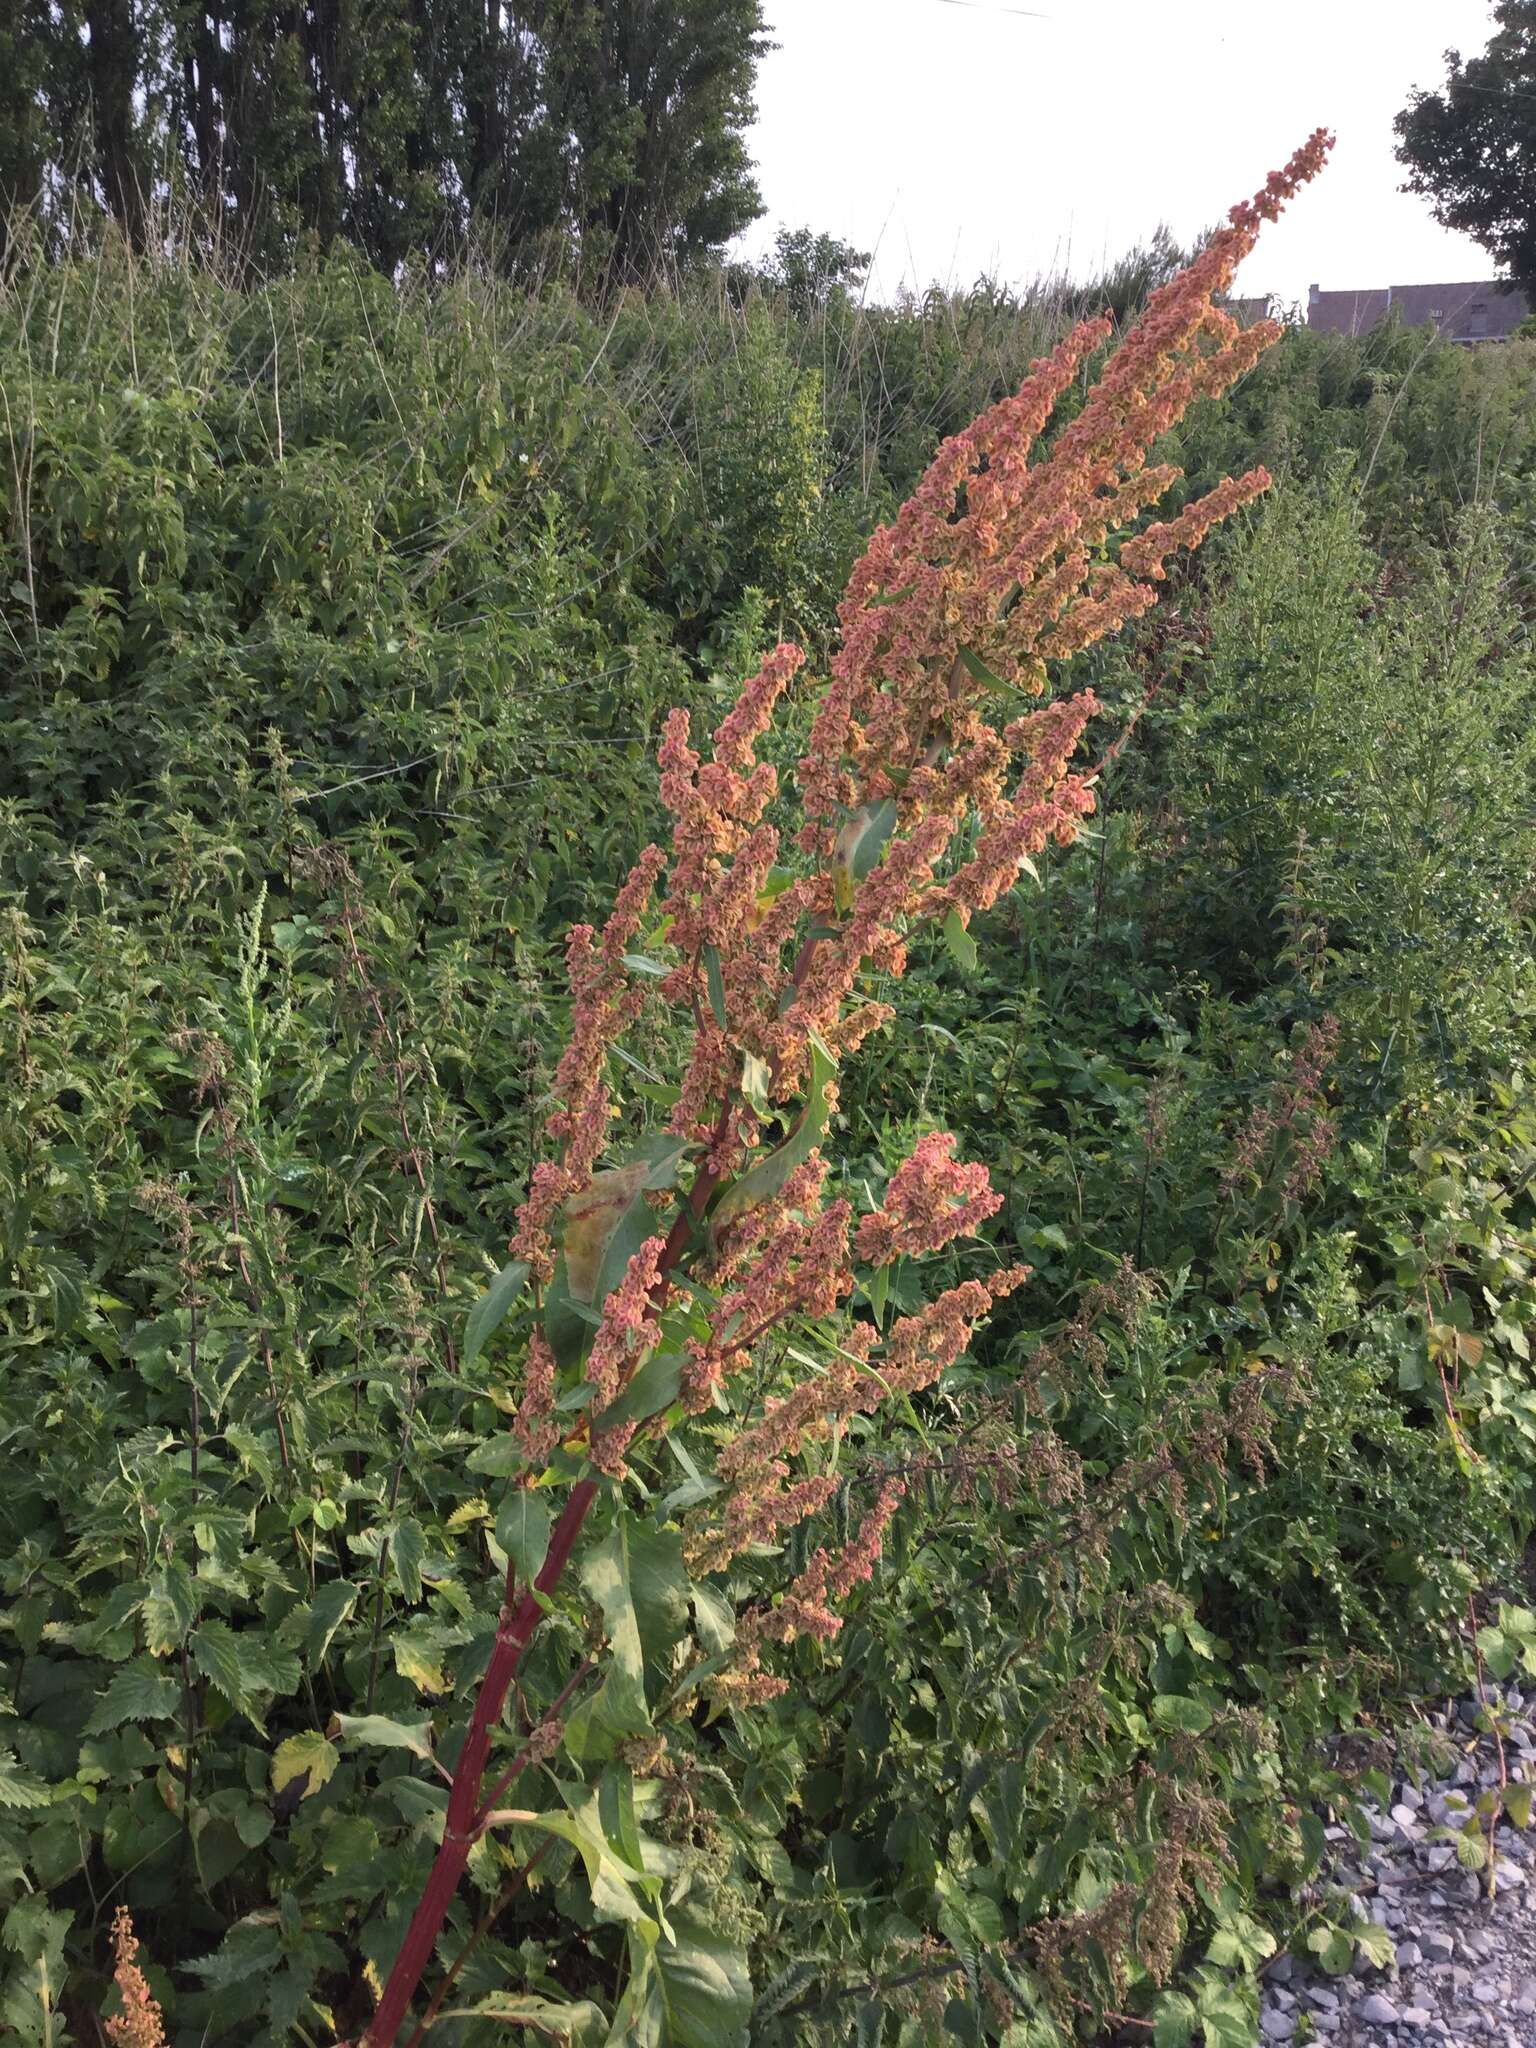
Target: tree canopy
611, 128
1471, 148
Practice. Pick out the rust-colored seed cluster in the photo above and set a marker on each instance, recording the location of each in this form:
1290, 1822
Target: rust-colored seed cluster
923, 741
139, 2024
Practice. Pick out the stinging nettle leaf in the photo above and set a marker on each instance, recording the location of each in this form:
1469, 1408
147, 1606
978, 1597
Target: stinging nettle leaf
139, 1692
332, 1604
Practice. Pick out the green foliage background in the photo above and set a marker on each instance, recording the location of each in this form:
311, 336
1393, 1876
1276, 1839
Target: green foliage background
339, 618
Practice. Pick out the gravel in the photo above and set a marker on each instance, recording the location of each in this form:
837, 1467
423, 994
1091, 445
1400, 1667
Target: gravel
1463, 1974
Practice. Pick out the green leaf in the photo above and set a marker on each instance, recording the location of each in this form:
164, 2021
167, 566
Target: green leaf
1333, 1948
378, 1732
716, 983
1173, 2020
29, 2005
499, 1457
705, 1985
139, 1692
1241, 1943
418, 1651
1176, 1710
20, 1789
977, 668
959, 943
859, 847
310, 1753
604, 1227
170, 1609
755, 1077
1229, 2018
616, 1808
522, 1530
612, 1883
653, 1387
407, 1547
714, 1619
581, 2023
618, 1708
332, 1603
491, 1309
1375, 1943
216, 1653
770, 1174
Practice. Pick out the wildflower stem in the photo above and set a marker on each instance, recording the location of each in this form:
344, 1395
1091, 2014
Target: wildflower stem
518, 1625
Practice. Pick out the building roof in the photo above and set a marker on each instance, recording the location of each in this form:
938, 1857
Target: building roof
1482, 311
1248, 312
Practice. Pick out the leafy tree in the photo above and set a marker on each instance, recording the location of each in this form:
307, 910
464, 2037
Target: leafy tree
1471, 148
809, 267
656, 101
399, 125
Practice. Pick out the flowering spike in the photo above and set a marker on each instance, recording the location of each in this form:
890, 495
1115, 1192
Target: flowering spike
1012, 553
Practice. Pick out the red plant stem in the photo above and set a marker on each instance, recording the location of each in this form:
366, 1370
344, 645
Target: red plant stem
466, 1813
513, 1636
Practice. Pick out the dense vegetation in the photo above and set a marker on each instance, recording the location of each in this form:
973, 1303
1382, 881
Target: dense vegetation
340, 619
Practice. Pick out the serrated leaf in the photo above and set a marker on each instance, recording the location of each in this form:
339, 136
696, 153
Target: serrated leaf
267, 1668
20, 1790
216, 1654
499, 1457
490, 1311
139, 1692
1376, 1944
170, 1609
418, 1654
1173, 2020
332, 1604
407, 1547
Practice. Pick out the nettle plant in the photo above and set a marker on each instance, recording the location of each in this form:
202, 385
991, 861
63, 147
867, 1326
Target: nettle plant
709, 1306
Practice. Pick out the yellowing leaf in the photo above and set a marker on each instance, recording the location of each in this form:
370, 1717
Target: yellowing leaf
298, 1754
590, 1219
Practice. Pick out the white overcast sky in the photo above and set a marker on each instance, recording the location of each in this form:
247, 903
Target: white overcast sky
954, 139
